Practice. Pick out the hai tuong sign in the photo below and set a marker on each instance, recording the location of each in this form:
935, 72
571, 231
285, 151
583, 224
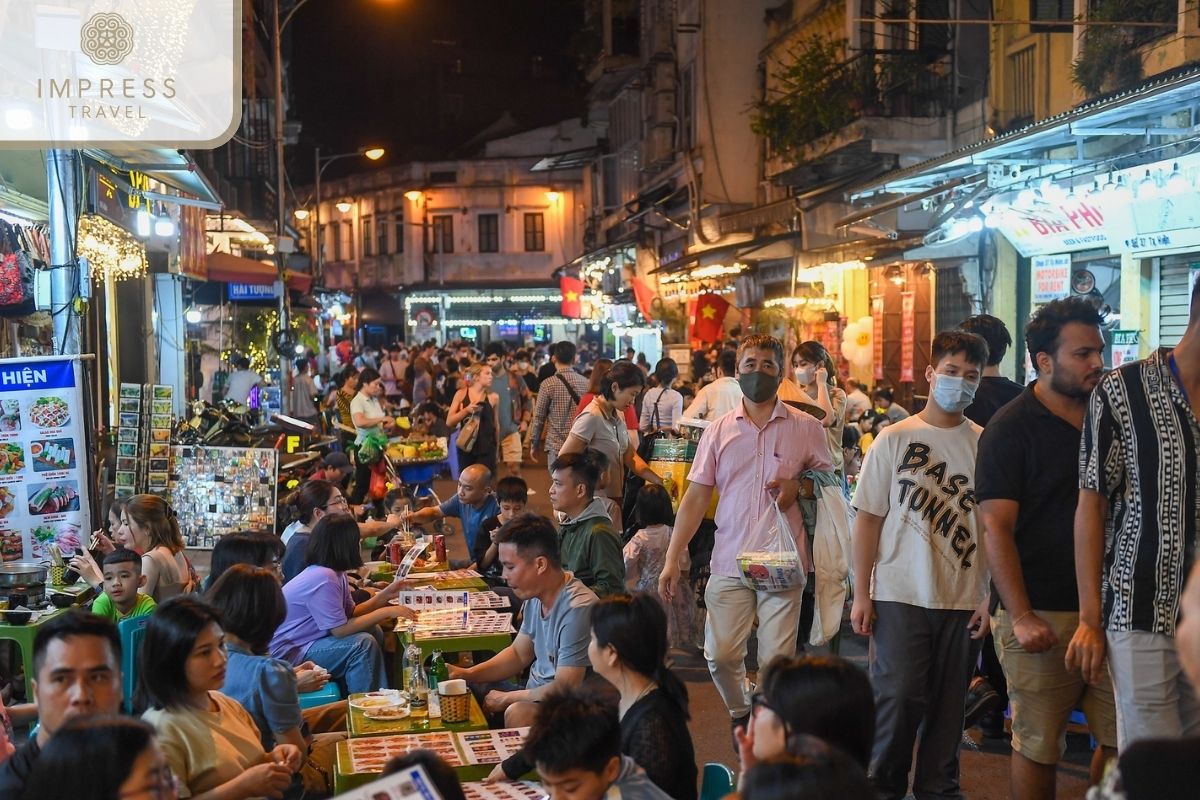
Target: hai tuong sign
159, 72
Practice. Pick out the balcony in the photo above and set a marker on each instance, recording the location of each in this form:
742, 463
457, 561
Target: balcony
877, 102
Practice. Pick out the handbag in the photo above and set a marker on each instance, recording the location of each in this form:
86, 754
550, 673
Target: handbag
468, 431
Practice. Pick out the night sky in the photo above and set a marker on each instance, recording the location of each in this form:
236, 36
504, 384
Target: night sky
421, 77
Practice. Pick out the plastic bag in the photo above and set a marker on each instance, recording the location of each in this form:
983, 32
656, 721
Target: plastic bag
370, 450
769, 560
378, 487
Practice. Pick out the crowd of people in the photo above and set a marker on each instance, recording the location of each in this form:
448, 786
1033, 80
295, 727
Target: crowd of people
1021, 547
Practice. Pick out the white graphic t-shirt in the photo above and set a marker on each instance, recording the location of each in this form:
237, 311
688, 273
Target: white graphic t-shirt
921, 479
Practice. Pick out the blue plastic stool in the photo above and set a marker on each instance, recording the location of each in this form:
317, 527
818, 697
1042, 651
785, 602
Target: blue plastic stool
716, 781
330, 693
132, 632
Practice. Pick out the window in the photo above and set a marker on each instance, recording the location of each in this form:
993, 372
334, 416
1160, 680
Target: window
444, 176
443, 233
333, 240
535, 232
1051, 11
347, 234
368, 238
398, 224
489, 233
382, 223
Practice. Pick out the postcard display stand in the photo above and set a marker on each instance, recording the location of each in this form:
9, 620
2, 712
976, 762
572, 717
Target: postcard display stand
144, 439
44, 480
217, 490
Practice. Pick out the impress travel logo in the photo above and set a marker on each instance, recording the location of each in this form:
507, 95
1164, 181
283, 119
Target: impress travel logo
116, 72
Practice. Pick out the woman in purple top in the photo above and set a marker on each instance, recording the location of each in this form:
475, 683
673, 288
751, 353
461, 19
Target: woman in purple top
323, 623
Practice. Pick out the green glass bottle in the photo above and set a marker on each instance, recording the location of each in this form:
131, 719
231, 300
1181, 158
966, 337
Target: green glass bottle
438, 671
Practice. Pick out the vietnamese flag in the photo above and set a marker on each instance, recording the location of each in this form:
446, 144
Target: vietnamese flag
709, 323
644, 296
572, 296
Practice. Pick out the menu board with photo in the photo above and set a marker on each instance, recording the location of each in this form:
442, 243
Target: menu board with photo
218, 490
43, 458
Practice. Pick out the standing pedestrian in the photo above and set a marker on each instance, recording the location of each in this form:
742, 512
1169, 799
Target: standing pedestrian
477, 399
920, 578
558, 394
304, 392
752, 455
1027, 479
815, 374
514, 405
662, 407
720, 396
995, 391
1135, 535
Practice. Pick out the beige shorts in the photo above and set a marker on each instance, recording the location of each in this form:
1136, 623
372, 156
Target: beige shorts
510, 449
1043, 692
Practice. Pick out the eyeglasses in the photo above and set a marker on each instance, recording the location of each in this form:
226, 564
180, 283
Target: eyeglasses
337, 501
759, 700
166, 785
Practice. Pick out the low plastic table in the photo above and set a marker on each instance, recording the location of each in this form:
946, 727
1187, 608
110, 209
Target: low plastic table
488, 642
360, 725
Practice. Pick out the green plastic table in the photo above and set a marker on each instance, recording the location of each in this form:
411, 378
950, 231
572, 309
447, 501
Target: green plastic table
359, 725
345, 779
489, 642
23, 636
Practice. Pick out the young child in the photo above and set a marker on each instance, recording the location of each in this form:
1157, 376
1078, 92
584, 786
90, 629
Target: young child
512, 494
575, 743
644, 554
122, 579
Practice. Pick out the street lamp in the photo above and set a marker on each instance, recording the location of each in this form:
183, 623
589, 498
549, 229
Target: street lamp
320, 162
343, 206
301, 214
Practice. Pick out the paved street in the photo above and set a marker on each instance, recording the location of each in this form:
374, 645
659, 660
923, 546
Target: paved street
984, 770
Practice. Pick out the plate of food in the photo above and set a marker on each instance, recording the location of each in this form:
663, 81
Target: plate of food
387, 713
12, 459
49, 412
7, 504
10, 416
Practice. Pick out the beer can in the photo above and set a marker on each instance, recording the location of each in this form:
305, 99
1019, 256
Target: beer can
439, 548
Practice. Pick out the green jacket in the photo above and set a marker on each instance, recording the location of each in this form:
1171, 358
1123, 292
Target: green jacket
590, 548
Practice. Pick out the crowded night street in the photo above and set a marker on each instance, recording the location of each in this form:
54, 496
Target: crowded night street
599, 400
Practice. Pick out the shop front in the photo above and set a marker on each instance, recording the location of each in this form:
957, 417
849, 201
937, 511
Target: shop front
516, 316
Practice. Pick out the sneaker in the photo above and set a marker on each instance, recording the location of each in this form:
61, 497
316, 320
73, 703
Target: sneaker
981, 698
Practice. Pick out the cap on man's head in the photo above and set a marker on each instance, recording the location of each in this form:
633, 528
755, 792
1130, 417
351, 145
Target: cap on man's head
337, 461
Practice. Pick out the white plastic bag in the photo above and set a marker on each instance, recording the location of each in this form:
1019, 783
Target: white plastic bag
831, 563
769, 560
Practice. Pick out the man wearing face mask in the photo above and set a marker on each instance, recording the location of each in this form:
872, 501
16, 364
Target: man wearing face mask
753, 453
920, 576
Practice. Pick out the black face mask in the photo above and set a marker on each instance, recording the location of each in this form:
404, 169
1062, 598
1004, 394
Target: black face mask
758, 386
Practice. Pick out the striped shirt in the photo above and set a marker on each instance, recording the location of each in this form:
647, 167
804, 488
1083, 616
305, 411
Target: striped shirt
1141, 450
555, 409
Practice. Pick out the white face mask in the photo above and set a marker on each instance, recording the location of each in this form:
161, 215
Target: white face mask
952, 393
805, 375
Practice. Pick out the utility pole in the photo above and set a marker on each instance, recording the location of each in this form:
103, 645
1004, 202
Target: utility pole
280, 207
63, 196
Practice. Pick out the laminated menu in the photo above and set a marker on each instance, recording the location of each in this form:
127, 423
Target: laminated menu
43, 458
371, 753
492, 747
503, 790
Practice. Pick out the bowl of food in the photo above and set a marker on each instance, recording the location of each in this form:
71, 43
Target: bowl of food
61, 600
18, 616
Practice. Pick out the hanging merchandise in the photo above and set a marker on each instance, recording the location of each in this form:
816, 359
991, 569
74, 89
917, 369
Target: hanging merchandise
17, 281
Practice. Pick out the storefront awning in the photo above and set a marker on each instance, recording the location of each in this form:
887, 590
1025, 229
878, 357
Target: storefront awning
227, 268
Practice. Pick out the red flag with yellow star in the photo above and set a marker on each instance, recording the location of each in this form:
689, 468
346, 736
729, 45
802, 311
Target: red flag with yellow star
644, 296
709, 322
572, 295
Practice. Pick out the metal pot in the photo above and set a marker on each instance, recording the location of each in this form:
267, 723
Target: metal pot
21, 573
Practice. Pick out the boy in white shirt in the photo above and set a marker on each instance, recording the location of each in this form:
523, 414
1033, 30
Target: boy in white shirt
919, 576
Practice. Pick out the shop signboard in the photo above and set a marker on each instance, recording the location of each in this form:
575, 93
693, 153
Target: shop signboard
253, 291
44, 476
1156, 225
1058, 228
1051, 277
877, 334
908, 335
1125, 347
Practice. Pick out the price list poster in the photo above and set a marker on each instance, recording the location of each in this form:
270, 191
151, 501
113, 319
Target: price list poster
43, 458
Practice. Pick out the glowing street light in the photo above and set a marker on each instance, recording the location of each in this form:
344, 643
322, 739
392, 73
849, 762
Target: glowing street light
301, 213
343, 206
374, 153
412, 195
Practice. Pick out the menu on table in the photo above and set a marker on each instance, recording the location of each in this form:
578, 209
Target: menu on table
489, 599
371, 754
411, 783
492, 747
503, 790
43, 458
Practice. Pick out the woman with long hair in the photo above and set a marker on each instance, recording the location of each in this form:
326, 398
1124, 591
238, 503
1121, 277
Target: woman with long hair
369, 417
212, 744
99, 758
596, 378
662, 407
816, 375
308, 503
153, 530
252, 607
244, 547
477, 399
324, 624
602, 426
104, 543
